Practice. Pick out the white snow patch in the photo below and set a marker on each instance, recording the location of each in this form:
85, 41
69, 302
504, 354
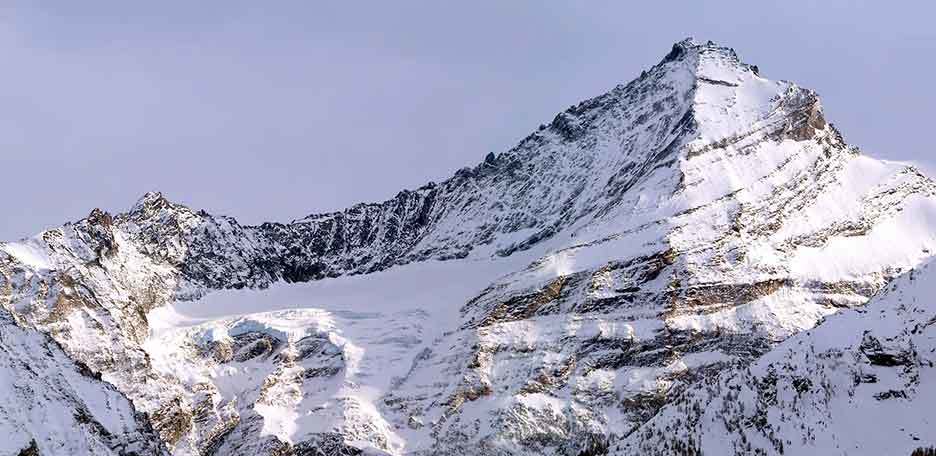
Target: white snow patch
29, 252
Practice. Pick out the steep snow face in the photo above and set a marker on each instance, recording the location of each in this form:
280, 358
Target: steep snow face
53, 406
552, 299
861, 383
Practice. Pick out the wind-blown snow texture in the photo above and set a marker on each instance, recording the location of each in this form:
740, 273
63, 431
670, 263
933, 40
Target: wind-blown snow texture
625, 266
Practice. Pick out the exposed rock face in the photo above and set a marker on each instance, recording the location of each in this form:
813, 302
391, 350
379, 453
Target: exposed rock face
676, 226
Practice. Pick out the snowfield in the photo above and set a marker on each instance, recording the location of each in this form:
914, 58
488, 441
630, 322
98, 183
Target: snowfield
380, 323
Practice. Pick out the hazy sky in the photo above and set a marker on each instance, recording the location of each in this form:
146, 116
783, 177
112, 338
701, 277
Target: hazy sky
273, 110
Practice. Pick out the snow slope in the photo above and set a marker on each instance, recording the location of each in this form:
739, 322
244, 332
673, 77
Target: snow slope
57, 407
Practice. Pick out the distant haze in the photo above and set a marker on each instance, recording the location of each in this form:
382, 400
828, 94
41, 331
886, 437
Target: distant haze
274, 111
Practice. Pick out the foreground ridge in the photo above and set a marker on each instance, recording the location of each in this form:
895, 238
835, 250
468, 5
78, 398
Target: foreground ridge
862, 382
635, 257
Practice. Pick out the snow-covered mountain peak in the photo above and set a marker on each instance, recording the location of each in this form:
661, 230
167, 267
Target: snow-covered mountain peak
694, 53
550, 299
730, 98
708, 61
150, 202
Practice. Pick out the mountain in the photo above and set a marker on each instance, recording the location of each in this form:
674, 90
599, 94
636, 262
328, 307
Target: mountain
567, 296
863, 382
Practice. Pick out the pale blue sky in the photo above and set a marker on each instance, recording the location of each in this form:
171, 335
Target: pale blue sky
271, 112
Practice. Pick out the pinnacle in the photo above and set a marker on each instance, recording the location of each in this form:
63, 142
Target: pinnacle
691, 43
697, 50
149, 200
152, 196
